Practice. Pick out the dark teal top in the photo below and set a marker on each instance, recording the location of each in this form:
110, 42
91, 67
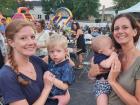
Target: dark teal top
12, 90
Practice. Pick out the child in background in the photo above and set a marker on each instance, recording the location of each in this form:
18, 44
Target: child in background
2, 50
59, 66
104, 55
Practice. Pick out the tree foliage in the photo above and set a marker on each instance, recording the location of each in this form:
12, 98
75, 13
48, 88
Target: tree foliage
81, 9
123, 4
85, 8
8, 7
49, 6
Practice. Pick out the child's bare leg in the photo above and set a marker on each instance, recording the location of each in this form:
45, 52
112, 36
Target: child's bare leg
102, 99
80, 57
60, 103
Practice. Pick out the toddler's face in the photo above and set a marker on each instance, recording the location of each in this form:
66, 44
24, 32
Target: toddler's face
58, 54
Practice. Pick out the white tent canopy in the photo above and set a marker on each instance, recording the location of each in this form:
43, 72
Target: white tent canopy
135, 8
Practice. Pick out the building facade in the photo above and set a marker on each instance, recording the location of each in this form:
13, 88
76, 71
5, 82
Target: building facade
37, 10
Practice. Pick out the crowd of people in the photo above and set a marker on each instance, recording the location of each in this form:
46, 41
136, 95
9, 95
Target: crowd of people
37, 67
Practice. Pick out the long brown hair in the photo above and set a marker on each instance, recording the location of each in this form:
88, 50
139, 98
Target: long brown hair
10, 32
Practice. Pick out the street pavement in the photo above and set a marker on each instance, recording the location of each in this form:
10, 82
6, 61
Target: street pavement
82, 90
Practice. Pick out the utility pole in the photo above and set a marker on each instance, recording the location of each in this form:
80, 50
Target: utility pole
103, 11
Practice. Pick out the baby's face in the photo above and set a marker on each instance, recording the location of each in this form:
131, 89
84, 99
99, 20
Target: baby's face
107, 50
106, 47
103, 44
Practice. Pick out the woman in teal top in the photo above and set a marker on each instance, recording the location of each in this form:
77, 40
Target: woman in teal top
124, 76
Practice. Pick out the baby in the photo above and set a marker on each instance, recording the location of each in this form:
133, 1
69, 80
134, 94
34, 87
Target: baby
104, 55
59, 65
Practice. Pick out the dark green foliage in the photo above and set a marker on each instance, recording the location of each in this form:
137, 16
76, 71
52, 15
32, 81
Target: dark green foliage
8, 7
85, 8
81, 9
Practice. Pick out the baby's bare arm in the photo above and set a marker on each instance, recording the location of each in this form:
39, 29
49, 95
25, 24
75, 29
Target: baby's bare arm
60, 84
108, 62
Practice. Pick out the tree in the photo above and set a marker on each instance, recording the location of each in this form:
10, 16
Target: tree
85, 8
8, 7
81, 9
121, 4
49, 6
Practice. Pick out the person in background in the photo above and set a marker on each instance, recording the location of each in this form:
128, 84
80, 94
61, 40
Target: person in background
1, 59
124, 76
95, 32
42, 36
24, 79
80, 42
3, 25
3, 50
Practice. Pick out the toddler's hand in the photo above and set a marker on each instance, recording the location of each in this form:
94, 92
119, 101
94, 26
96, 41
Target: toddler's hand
48, 78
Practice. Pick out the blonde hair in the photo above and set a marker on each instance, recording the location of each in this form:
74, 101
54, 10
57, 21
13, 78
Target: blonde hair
10, 32
100, 41
57, 40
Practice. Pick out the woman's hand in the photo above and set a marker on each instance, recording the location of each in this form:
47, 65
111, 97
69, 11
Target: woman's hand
63, 99
48, 79
115, 70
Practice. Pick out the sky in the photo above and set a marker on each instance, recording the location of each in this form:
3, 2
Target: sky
107, 3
